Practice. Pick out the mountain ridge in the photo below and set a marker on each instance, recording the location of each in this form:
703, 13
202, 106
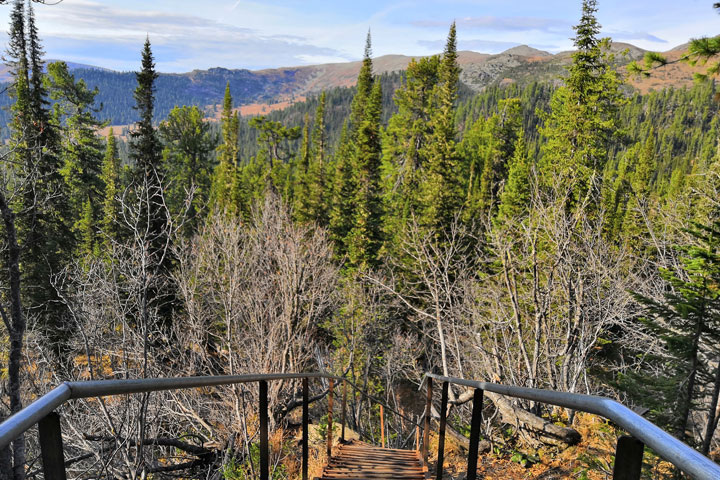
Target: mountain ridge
260, 91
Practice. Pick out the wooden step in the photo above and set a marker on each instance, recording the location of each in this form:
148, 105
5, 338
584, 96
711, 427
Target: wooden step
360, 461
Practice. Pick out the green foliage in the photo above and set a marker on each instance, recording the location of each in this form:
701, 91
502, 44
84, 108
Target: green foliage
364, 238
235, 469
81, 150
583, 118
687, 321
187, 163
406, 143
441, 189
110, 177
225, 190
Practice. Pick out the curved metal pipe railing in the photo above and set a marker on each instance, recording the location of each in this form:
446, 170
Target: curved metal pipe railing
628, 460
32, 414
665, 445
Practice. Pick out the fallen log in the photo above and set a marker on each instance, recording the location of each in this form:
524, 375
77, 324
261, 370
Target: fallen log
544, 431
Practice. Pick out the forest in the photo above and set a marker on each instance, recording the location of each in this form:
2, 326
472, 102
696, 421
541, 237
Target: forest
562, 236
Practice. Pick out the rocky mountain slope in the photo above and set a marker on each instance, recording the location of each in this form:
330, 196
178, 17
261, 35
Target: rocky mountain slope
266, 90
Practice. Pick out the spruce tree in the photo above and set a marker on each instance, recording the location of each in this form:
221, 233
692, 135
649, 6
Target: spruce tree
12, 458
146, 153
355, 219
302, 170
687, 321
633, 221
406, 144
188, 143
153, 221
583, 117
317, 182
441, 189
365, 236
81, 150
342, 208
364, 88
43, 226
515, 197
110, 177
224, 192
486, 151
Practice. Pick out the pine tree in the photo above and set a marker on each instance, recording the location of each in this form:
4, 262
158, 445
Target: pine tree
364, 88
364, 238
153, 221
146, 152
275, 154
302, 172
310, 194
687, 321
343, 215
406, 144
441, 189
110, 177
342, 209
583, 117
13, 458
187, 164
515, 197
634, 228
488, 148
81, 151
317, 194
224, 192
45, 233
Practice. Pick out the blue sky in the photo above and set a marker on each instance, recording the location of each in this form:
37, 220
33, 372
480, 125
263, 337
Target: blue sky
190, 34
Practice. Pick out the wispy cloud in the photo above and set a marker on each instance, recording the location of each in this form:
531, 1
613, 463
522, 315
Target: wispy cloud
621, 35
507, 24
484, 46
185, 39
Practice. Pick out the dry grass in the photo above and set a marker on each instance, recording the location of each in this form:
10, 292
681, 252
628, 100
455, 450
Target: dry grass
591, 459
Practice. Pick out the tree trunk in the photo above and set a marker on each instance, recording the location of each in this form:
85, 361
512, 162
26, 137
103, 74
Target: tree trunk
16, 326
688, 394
545, 431
712, 413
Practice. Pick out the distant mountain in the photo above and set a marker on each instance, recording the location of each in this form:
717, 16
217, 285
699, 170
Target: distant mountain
6, 77
264, 90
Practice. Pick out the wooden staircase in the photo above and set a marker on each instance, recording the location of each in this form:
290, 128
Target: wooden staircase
358, 460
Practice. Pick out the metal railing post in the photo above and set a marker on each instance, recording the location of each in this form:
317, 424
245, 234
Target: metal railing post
330, 425
51, 447
628, 458
441, 433
305, 439
426, 428
475, 424
264, 447
344, 411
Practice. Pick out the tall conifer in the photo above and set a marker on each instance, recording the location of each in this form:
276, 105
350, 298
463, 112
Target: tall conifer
441, 189
146, 152
365, 236
224, 194
583, 117
406, 144
110, 177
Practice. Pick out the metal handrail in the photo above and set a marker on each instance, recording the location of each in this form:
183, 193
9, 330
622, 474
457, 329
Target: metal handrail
33, 413
665, 445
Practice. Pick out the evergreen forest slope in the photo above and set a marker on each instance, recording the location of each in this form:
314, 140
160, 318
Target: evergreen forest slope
266, 90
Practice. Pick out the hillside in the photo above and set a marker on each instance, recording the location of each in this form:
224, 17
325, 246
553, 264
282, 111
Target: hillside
263, 91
